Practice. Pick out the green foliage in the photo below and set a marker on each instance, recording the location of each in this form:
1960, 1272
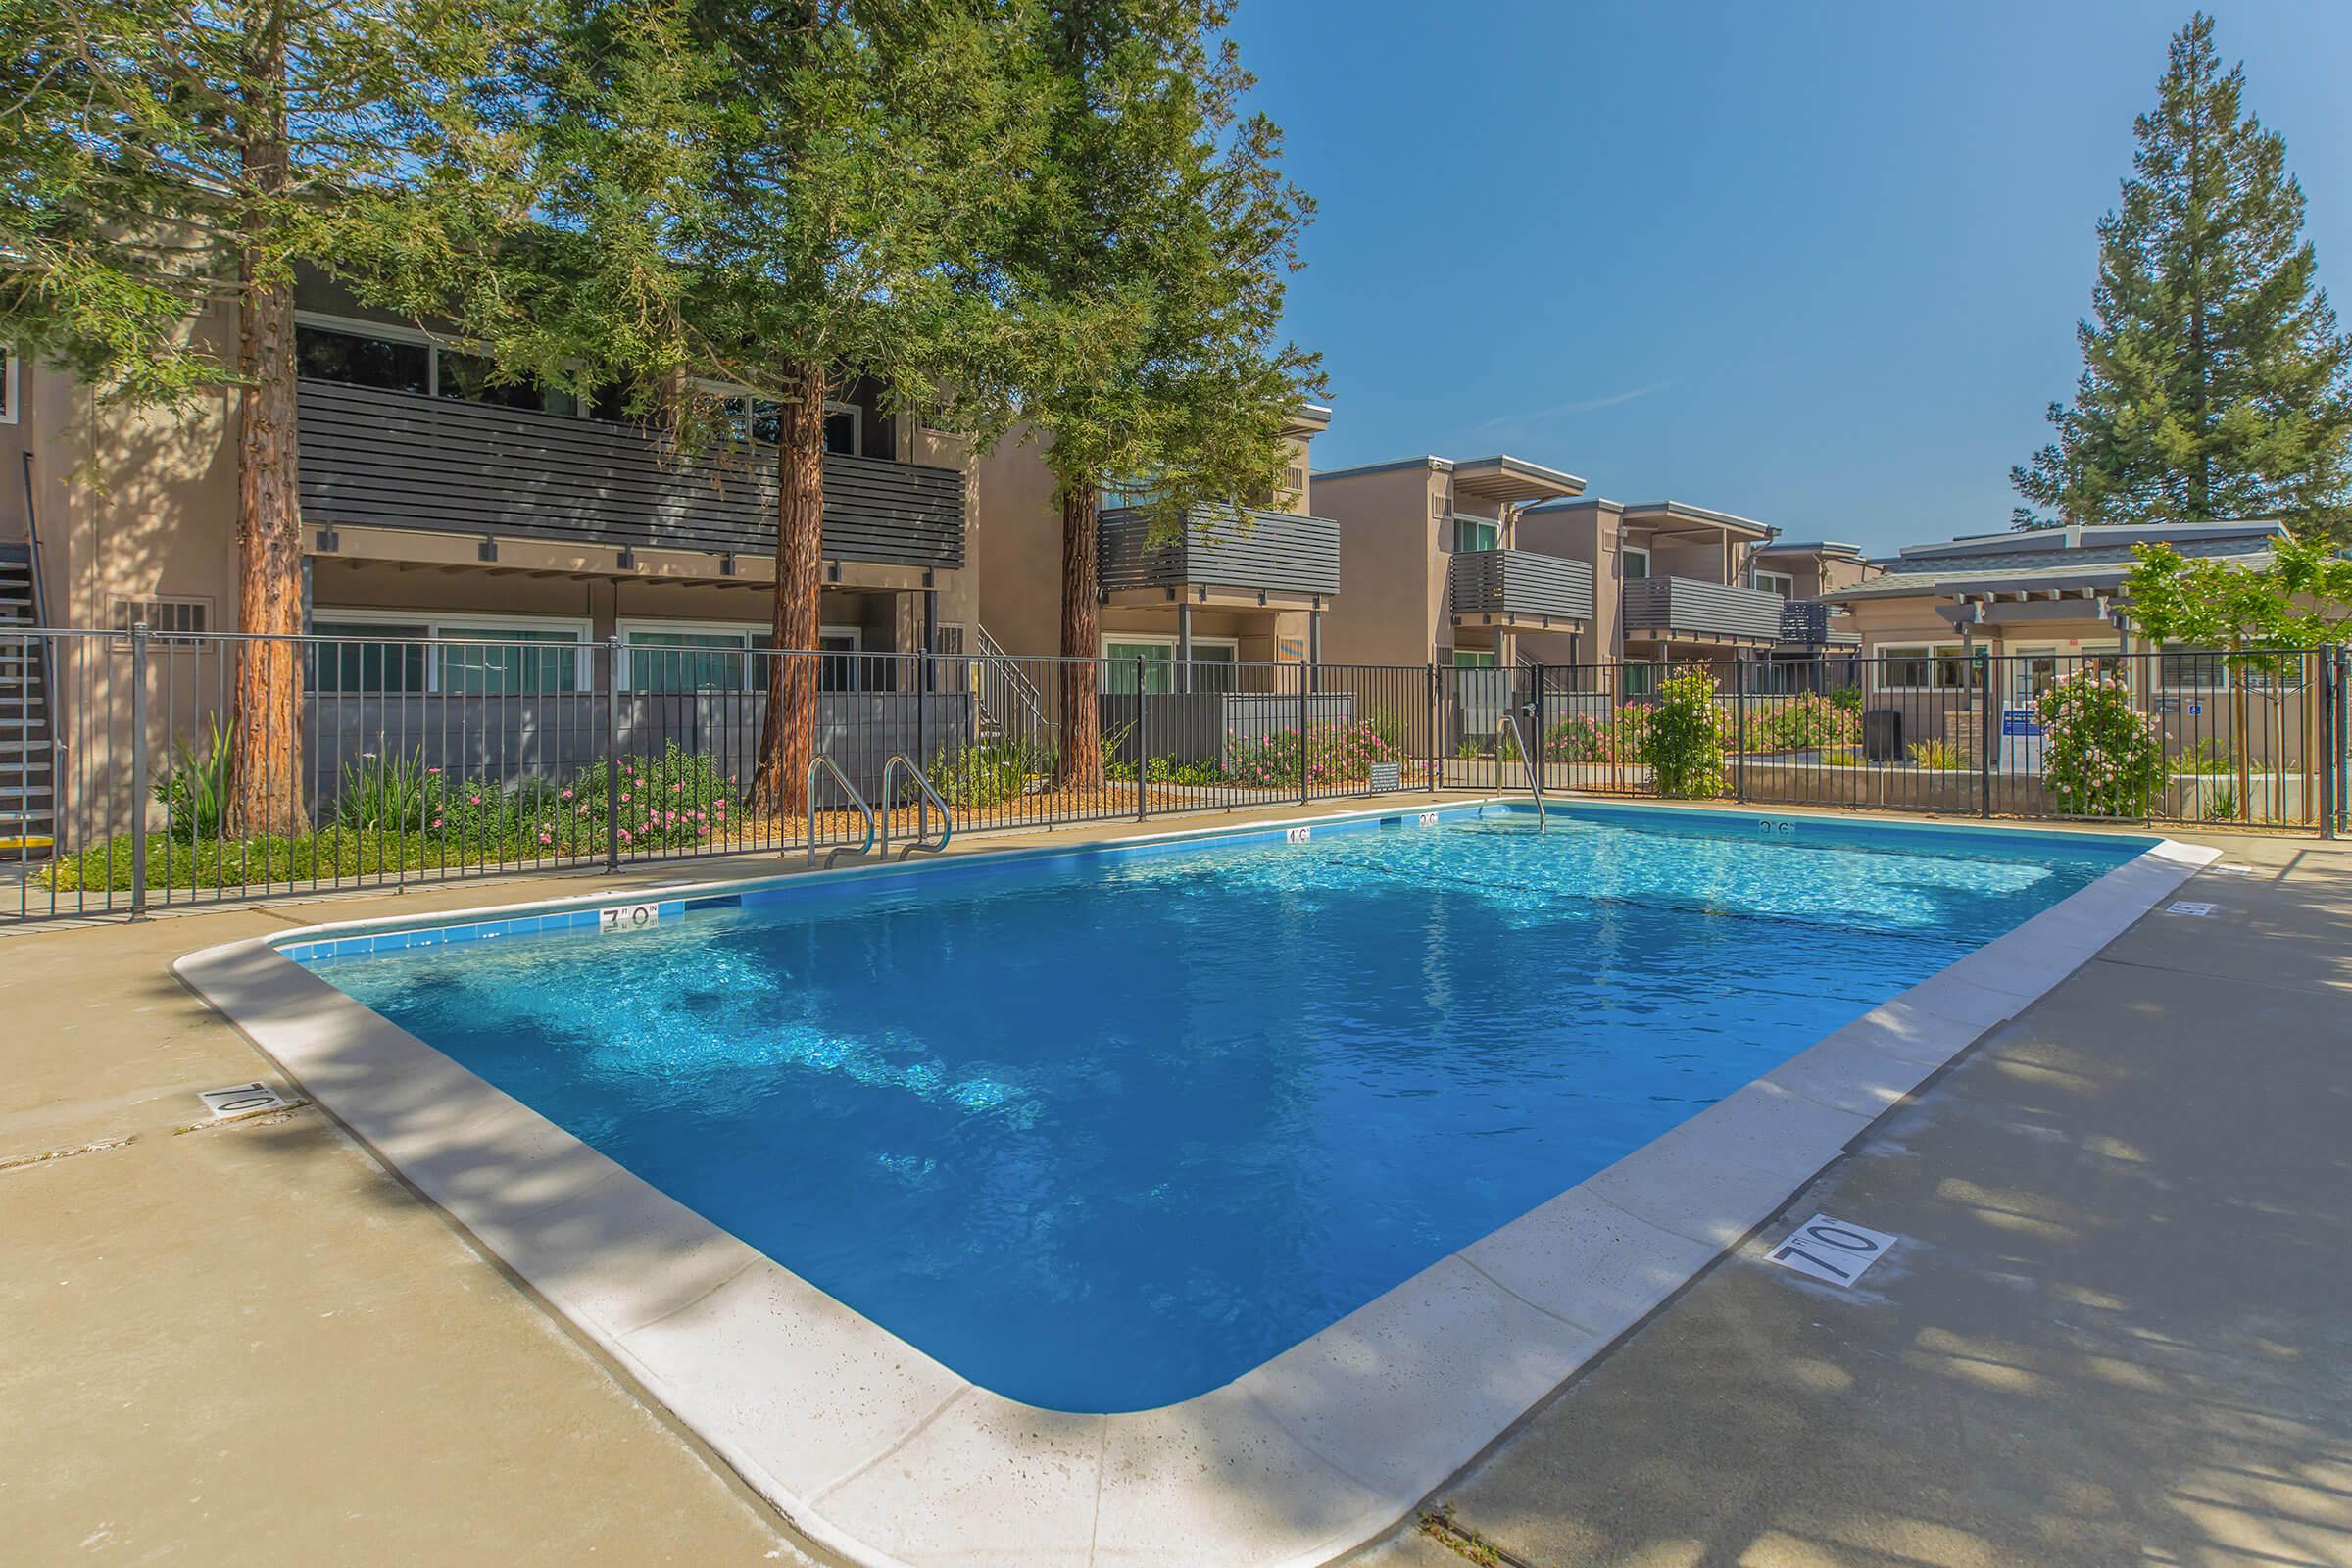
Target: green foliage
386, 791
988, 773
1685, 744
2215, 384
193, 792
1619, 737
2302, 599
1805, 722
1941, 756
2101, 757
2222, 805
1333, 753
160, 156
1848, 699
2204, 757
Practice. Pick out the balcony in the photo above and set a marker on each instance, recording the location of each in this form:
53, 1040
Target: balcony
1519, 588
392, 460
1814, 625
1220, 552
1684, 609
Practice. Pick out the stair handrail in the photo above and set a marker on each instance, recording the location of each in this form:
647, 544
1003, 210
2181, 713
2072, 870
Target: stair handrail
822, 761
1527, 757
997, 665
40, 622
926, 799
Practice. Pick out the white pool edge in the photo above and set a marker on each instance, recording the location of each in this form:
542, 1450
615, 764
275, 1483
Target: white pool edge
880, 1455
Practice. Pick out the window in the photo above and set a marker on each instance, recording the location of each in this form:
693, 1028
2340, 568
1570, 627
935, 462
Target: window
166, 615
8, 387
468, 378
1775, 582
2192, 669
1920, 667
1476, 658
356, 666
388, 364
478, 656
1214, 666
843, 427
1476, 534
1641, 680
1635, 562
685, 656
391, 358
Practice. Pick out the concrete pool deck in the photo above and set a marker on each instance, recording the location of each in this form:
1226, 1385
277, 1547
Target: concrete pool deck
435, 1417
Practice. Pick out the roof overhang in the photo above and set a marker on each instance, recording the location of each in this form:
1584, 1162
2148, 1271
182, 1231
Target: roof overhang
1680, 516
1512, 481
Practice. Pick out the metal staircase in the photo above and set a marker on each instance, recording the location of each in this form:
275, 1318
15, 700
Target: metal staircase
1008, 700
27, 741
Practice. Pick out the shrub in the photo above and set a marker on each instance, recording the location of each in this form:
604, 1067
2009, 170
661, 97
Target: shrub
1335, 754
1588, 738
2100, 755
194, 794
1803, 723
1685, 744
2206, 757
382, 791
1848, 699
976, 777
1941, 756
665, 802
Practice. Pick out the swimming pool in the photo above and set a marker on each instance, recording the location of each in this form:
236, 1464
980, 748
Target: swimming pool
1103, 1132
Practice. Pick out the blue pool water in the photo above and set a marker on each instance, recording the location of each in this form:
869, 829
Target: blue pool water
1103, 1133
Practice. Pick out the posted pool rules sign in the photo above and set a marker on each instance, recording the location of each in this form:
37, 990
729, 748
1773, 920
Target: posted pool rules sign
1831, 1249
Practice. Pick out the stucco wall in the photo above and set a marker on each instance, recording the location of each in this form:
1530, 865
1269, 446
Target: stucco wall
1391, 575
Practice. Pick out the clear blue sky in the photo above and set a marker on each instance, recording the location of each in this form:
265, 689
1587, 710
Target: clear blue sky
1818, 263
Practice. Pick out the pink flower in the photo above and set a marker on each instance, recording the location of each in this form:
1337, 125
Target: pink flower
475, 799
624, 835
432, 770
566, 795
437, 822
546, 838
624, 798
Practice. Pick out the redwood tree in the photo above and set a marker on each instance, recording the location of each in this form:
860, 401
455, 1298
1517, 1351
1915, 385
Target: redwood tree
766, 196
162, 158
1146, 262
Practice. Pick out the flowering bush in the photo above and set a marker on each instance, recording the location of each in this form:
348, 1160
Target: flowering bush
1335, 754
677, 798
1807, 722
1590, 737
1685, 744
2100, 757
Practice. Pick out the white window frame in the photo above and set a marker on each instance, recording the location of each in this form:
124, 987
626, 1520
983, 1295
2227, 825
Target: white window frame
10, 408
1454, 534
746, 630
1884, 652
1624, 555
1786, 582
457, 626
2228, 675
437, 343
1150, 639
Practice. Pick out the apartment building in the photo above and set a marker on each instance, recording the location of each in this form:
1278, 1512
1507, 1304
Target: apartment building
438, 505
1229, 586
1437, 567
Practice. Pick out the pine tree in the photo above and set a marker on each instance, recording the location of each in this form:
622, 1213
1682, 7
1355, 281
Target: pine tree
162, 157
1145, 269
2215, 384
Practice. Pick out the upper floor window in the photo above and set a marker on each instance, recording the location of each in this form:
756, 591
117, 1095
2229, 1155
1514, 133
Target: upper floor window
1636, 563
8, 387
390, 359
1775, 582
1476, 534
852, 429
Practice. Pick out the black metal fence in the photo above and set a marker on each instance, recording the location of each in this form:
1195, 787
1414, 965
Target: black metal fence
126, 786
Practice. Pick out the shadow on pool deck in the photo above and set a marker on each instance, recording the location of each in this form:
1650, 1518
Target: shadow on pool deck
2115, 1330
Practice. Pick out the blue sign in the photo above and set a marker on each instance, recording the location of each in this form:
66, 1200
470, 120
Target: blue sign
2020, 722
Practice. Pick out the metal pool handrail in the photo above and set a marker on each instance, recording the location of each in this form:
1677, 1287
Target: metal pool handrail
928, 798
1527, 759
821, 760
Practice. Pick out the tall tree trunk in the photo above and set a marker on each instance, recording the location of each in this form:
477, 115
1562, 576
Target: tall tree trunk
788, 728
266, 738
1081, 701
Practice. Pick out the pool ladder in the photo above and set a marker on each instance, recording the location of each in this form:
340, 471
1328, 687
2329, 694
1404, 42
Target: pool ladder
1527, 757
924, 800
821, 764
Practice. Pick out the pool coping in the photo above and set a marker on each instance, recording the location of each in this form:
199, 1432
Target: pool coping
878, 1454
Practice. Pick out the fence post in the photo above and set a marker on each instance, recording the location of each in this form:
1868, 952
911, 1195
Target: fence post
1988, 731
140, 785
2330, 723
1536, 762
1433, 728
1739, 730
611, 753
1302, 689
1142, 742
